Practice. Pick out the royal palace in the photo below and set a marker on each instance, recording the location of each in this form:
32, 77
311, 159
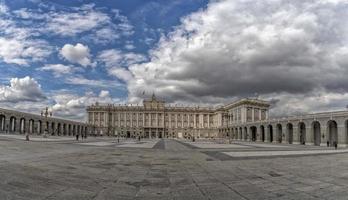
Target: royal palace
156, 119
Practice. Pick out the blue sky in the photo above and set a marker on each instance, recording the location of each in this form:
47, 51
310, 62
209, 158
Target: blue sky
130, 27
70, 54
143, 21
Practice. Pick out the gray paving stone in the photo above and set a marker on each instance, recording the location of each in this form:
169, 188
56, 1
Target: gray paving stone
171, 170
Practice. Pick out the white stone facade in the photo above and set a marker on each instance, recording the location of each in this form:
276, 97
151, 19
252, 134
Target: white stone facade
156, 119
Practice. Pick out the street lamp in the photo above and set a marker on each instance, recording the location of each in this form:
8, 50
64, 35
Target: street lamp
46, 114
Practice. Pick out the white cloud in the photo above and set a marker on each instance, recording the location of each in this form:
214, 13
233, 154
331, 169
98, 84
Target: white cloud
95, 24
21, 89
117, 61
238, 48
18, 44
74, 106
72, 23
78, 80
76, 54
58, 69
3, 9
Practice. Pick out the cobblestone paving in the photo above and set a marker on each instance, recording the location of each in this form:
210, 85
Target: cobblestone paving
169, 170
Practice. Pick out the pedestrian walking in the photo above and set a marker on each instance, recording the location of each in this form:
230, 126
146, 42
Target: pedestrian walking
328, 143
77, 137
26, 136
335, 144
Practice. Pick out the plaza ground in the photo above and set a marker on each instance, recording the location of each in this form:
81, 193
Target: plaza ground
102, 168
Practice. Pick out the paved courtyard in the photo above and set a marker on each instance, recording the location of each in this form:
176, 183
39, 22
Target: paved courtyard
103, 168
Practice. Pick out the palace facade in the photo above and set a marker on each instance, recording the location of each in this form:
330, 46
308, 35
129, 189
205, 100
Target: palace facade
156, 119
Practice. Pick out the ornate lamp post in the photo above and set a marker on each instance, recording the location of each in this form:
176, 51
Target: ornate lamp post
46, 114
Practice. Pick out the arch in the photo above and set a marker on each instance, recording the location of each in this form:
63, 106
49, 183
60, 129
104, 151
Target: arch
262, 130
69, 129
316, 133
53, 128
2, 122
47, 128
346, 132
74, 130
302, 132
64, 129
270, 133
332, 132
253, 131
279, 133
13, 123
31, 126
290, 133
240, 133
39, 127
59, 129
22, 125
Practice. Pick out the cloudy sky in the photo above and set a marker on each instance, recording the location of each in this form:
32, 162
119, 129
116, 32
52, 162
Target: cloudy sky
70, 54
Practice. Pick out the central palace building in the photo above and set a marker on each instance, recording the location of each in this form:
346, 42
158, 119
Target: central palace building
156, 119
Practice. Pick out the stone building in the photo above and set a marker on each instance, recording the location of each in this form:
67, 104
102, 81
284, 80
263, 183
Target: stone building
157, 119
16, 122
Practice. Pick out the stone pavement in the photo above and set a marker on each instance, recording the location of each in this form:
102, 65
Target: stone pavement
170, 169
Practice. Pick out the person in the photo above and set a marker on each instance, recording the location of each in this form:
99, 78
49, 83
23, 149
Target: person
139, 138
26, 136
335, 145
328, 143
77, 136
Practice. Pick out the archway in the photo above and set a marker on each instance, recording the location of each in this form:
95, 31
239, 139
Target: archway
262, 129
31, 126
39, 127
2, 122
53, 127
316, 133
59, 126
302, 132
290, 133
332, 132
22, 125
253, 133
279, 133
64, 129
13, 124
73, 130
47, 128
346, 127
69, 129
240, 133
270, 133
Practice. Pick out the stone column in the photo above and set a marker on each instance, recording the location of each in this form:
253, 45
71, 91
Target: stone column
208, 120
182, 120
176, 120
258, 134
252, 114
342, 135
296, 135
310, 135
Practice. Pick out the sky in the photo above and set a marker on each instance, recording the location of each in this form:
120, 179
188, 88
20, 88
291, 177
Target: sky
70, 54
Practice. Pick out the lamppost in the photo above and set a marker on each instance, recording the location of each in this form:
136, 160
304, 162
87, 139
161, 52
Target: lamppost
46, 114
